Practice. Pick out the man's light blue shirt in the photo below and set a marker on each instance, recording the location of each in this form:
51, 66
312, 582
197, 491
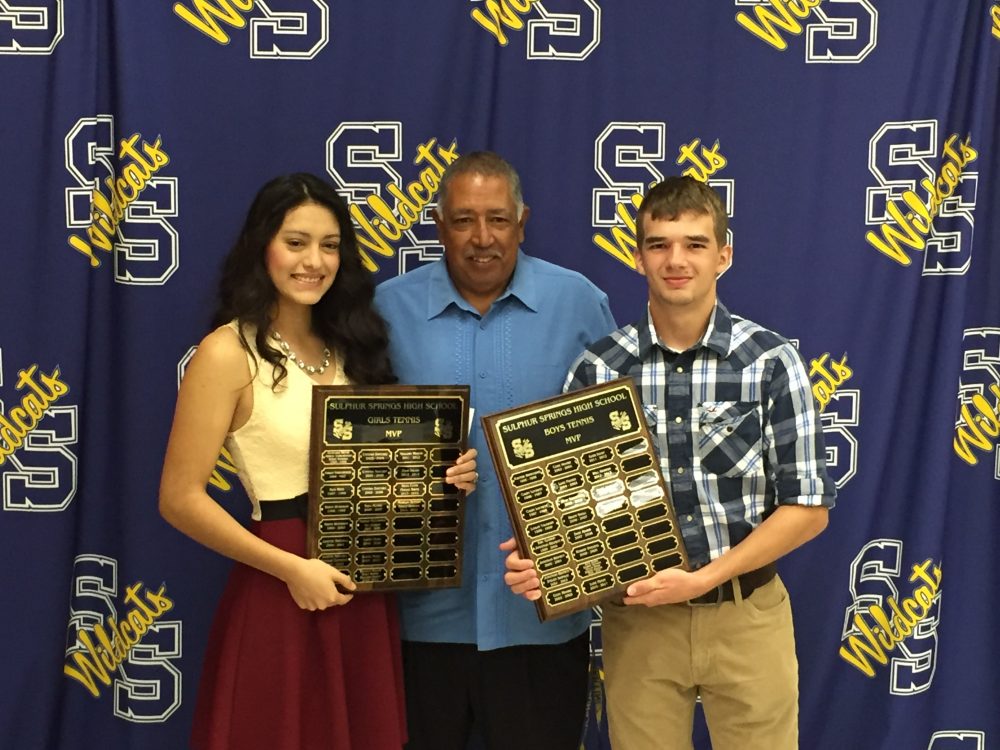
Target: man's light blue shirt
518, 352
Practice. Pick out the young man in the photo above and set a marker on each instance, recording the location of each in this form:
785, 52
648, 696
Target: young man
509, 325
741, 447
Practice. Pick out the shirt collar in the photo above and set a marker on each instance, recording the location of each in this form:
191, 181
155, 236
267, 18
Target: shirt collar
718, 336
441, 291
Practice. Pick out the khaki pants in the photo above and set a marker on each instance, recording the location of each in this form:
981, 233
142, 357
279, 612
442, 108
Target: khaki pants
739, 656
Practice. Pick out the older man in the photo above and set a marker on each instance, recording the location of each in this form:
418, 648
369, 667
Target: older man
509, 325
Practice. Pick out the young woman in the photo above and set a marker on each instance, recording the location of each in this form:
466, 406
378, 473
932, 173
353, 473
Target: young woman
295, 660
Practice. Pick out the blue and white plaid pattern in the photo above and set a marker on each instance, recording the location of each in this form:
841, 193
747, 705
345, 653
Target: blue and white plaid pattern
734, 421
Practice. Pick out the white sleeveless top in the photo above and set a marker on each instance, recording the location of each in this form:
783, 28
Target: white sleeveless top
271, 451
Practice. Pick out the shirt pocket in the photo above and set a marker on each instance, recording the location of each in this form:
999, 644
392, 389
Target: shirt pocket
729, 438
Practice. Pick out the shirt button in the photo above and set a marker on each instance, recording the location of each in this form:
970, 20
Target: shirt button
729, 428
680, 469
678, 420
688, 518
482, 374
680, 369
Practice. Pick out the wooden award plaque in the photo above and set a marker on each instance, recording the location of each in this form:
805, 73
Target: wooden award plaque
379, 508
583, 489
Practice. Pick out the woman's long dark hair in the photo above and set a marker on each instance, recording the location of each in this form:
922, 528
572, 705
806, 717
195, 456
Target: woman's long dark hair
344, 317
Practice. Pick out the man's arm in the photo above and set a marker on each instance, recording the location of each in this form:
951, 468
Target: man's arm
790, 526
793, 439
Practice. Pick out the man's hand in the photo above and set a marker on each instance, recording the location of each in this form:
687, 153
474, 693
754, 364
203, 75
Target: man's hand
666, 587
521, 576
463, 473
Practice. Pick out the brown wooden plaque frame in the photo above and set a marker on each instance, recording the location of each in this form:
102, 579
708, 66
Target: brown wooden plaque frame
585, 495
379, 508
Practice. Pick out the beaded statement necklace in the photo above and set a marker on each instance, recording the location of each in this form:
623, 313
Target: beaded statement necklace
310, 369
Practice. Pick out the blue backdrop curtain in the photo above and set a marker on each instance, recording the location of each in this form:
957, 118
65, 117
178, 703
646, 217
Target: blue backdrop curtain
856, 144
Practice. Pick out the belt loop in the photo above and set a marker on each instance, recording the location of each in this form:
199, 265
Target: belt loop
737, 592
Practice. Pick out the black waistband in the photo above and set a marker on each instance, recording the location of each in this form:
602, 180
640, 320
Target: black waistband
280, 510
748, 582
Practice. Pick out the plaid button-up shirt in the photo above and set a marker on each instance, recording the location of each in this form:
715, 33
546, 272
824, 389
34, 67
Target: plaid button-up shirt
734, 421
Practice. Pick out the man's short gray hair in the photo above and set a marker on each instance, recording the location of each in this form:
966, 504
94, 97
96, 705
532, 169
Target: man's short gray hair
487, 164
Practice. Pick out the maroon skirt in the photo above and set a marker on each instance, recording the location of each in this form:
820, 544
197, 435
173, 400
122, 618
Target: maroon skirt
277, 677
